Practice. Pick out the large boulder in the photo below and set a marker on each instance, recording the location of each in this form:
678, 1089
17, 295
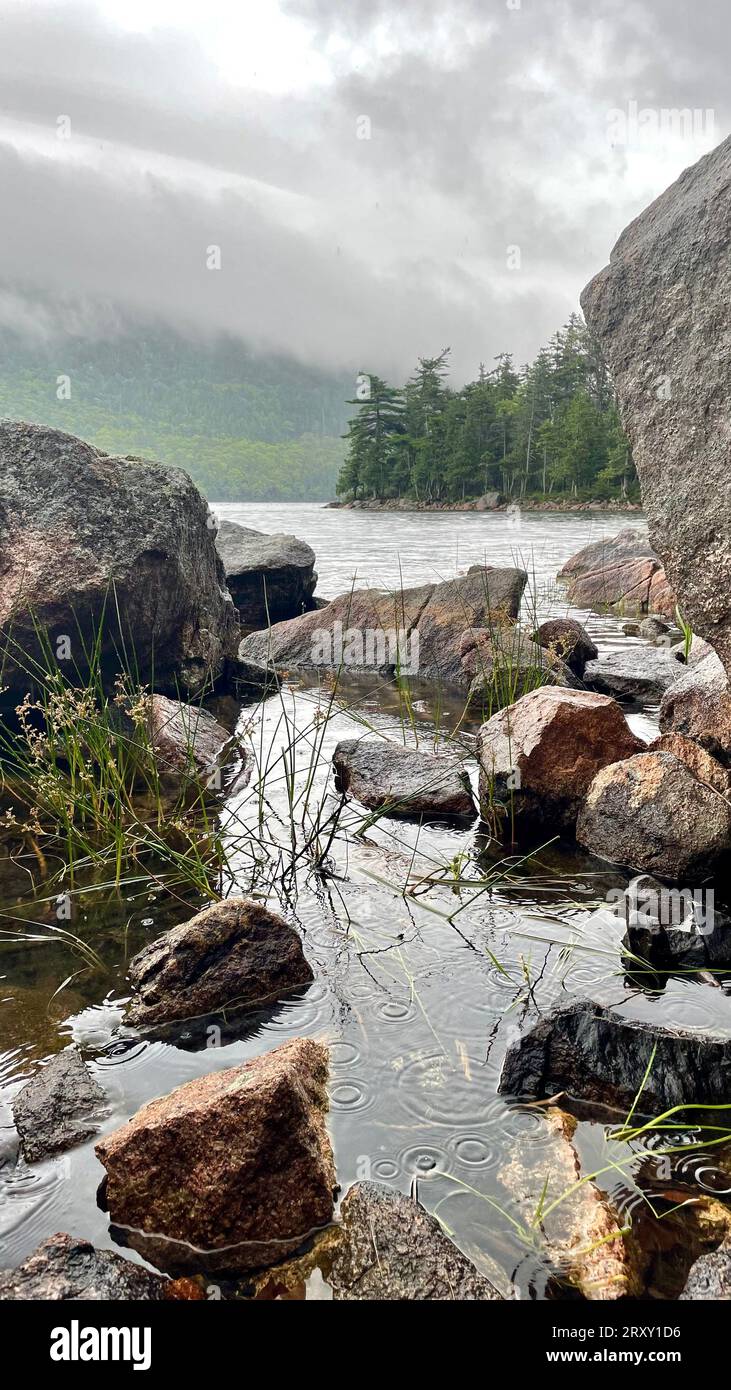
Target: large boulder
392, 1249
124, 546
660, 312
633, 673
403, 781
620, 572
59, 1107
696, 758
540, 755
234, 955
269, 577
231, 1171
416, 631
569, 640
650, 813
68, 1268
699, 706
597, 1055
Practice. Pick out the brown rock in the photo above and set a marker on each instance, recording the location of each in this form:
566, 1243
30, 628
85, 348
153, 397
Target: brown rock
188, 741
699, 706
621, 572
231, 1171
650, 813
583, 1232
392, 1249
231, 956
696, 759
569, 640
540, 755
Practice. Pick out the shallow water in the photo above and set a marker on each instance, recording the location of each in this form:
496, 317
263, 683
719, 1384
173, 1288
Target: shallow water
417, 1009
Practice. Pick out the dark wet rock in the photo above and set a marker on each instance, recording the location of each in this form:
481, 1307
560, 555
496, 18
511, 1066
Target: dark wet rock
596, 1055
699, 706
652, 628
650, 813
416, 631
270, 577
404, 781
701, 763
583, 1234
68, 1268
621, 572
710, 1276
637, 673
392, 1249
504, 668
660, 313
539, 756
75, 521
57, 1108
569, 640
233, 955
188, 741
231, 1171
672, 929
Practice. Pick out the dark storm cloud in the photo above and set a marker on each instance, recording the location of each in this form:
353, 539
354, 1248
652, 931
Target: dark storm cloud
488, 130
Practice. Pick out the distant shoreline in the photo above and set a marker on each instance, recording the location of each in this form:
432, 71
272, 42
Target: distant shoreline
481, 504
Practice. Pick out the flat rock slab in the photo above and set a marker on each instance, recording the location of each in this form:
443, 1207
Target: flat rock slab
233, 955
68, 1268
650, 813
582, 1233
270, 577
56, 1110
230, 1172
595, 1054
403, 781
643, 673
414, 631
660, 313
392, 1249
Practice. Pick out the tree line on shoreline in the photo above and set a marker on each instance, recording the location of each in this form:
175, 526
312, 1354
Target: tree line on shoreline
550, 428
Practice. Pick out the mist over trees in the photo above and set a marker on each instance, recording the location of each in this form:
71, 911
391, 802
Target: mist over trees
550, 428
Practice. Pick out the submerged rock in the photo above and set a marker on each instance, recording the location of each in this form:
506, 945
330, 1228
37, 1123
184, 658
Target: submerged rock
595, 1054
269, 577
640, 673
415, 631
231, 1171
710, 1276
403, 781
620, 572
188, 741
582, 1232
392, 1249
699, 706
569, 640
650, 813
233, 955
69, 1268
660, 313
539, 756
93, 542
57, 1108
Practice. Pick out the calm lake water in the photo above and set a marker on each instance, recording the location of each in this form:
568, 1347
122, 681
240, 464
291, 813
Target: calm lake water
417, 1009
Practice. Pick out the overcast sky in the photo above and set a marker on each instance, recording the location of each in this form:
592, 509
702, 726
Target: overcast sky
383, 177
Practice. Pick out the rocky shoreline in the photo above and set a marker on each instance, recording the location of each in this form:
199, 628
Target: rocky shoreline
492, 502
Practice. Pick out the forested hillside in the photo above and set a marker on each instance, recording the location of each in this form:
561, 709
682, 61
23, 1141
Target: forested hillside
244, 426
550, 428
